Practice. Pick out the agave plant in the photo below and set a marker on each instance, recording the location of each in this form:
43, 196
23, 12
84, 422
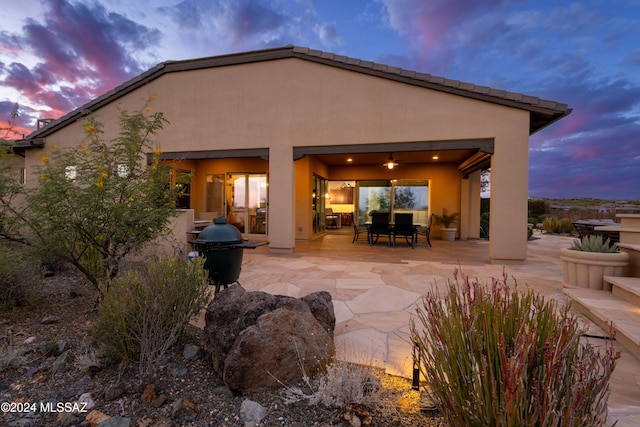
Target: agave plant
594, 243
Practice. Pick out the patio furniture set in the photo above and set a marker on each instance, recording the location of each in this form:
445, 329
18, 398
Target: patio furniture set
403, 226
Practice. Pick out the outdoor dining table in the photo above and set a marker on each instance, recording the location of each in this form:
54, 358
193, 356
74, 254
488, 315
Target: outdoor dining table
608, 229
391, 225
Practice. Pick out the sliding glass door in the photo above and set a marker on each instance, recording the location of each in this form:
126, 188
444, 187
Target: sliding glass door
405, 196
247, 201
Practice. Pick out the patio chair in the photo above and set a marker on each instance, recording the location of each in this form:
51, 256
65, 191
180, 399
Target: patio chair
379, 226
583, 229
331, 220
357, 229
403, 226
425, 231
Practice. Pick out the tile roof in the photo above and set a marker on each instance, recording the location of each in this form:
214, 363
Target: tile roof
543, 112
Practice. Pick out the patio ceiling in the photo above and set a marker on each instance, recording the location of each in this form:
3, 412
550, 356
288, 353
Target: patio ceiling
413, 157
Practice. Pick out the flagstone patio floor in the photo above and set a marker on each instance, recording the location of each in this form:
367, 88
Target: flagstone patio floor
376, 289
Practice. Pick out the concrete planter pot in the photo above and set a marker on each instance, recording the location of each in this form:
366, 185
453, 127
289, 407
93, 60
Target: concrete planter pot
587, 269
449, 234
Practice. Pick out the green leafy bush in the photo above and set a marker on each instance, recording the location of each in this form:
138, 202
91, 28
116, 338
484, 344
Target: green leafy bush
497, 357
594, 243
145, 311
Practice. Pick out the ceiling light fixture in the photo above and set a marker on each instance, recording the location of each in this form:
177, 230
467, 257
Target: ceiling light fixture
390, 164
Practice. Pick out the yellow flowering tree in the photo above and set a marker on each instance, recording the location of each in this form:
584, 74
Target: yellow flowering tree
10, 189
100, 201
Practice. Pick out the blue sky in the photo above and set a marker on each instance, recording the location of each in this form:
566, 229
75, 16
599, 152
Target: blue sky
55, 55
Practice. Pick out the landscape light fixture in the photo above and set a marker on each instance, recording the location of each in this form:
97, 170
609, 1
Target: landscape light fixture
390, 164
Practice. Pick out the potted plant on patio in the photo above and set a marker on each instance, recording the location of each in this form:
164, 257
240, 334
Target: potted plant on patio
589, 259
446, 221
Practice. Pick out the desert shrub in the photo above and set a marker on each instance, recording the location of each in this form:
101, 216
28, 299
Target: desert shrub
101, 200
532, 220
495, 356
342, 384
20, 278
565, 225
145, 311
551, 224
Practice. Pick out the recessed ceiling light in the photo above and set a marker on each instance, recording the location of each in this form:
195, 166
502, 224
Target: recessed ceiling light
435, 158
349, 160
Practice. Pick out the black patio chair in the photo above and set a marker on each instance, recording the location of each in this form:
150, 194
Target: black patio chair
357, 229
403, 226
425, 231
379, 226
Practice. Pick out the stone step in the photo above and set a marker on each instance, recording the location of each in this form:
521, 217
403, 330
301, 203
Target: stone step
604, 308
625, 288
630, 235
629, 220
630, 246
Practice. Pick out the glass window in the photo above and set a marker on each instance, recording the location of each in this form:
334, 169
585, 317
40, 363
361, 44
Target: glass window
406, 196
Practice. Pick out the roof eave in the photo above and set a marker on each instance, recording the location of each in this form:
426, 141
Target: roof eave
543, 112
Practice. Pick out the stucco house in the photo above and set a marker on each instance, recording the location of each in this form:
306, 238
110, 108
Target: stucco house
274, 137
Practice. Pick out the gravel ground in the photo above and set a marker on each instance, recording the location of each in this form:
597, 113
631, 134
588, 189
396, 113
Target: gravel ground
48, 387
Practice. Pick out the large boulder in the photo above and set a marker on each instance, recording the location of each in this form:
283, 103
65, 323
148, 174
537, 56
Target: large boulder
256, 339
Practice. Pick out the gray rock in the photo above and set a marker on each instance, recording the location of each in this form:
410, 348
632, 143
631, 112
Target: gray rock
116, 421
114, 392
86, 401
29, 340
10, 358
69, 394
47, 348
176, 369
51, 348
83, 382
252, 413
192, 352
62, 346
22, 422
47, 320
66, 419
31, 371
61, 364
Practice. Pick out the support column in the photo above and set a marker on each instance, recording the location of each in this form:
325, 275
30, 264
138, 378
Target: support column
465, 209
509, 194
281, 199
470, 207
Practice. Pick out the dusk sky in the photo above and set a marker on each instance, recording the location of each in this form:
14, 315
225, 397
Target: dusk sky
55, 55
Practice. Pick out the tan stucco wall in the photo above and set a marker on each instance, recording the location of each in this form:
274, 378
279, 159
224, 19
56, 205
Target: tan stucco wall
290, 103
